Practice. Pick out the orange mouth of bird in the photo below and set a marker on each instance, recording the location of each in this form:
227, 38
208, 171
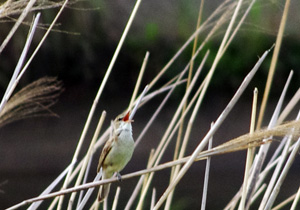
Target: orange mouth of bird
126, 118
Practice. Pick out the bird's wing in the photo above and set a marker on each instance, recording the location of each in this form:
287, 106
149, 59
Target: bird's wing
105, 151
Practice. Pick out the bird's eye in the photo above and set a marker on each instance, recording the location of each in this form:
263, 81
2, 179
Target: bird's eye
120, 118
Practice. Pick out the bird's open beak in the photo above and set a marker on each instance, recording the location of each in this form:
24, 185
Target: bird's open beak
126, 118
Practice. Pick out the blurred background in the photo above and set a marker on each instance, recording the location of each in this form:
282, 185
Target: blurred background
33, 152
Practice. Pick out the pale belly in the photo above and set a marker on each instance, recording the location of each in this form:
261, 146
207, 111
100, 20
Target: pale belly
119, 156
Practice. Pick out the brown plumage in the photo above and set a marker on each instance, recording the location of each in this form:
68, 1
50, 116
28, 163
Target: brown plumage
116, 152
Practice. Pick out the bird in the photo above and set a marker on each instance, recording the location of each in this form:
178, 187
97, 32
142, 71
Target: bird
116, 152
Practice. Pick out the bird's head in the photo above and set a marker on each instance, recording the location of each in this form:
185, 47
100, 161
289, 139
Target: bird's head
122, 122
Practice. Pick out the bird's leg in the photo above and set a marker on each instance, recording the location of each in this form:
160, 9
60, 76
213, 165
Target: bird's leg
119, 176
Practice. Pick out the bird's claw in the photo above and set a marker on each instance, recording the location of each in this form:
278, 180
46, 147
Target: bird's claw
119, 177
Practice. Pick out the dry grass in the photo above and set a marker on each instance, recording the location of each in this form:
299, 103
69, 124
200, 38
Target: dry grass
229, 15
34, 100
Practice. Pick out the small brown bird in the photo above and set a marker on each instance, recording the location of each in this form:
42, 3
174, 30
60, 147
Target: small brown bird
116, 152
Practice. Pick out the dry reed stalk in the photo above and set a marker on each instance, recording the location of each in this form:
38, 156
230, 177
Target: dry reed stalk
211, 132
180, 130
249, 141
87, 157
250, 152
13, 7
165, 139
241, 143
206, 177
273, 63
97, 97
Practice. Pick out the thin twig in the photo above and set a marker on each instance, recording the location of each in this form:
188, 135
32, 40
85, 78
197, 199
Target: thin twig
254, 140
285, 202
289, 107
296, 200
97, 98
250, 152
180, 130
153, 198
139, 80
283, 174
115, 203
17, 24
87, 157
165, 140
206, 177
13, 82
261, 156
273, 63
211, 131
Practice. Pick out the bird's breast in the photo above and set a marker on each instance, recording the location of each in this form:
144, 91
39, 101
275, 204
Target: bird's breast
120, 153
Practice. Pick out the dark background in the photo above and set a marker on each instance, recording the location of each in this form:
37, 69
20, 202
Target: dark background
33, 152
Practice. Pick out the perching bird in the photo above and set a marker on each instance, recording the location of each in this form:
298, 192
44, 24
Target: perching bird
116, 152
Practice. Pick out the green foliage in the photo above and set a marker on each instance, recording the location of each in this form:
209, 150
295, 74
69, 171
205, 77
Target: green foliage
82, 57
151, 31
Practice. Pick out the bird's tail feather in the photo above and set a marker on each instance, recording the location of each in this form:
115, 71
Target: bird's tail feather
103, 192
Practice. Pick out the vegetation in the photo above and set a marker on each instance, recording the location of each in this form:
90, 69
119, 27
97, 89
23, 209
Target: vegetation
264, 173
